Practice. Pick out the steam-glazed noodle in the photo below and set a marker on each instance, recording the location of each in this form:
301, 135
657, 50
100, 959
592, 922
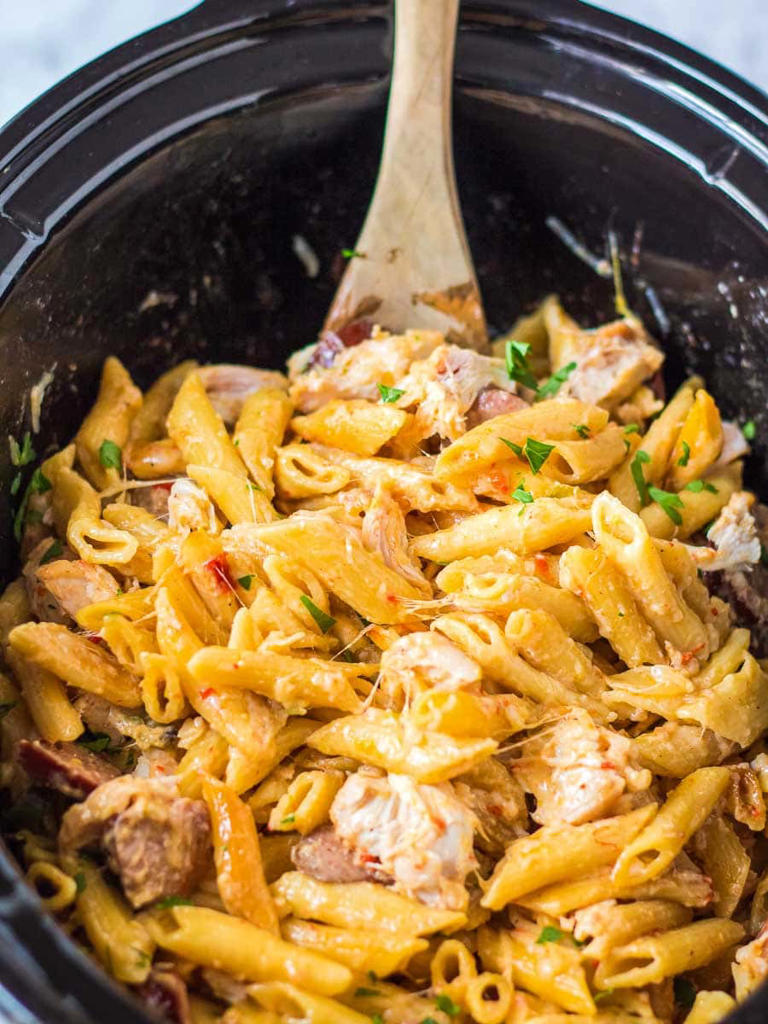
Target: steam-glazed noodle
401, 689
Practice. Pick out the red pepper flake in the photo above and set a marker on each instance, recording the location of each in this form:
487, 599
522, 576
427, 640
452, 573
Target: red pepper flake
164, 487
495, 810
95, 639
370, 858
608, 766
499, 480
208, 692
219, 569
392, 598
542, 565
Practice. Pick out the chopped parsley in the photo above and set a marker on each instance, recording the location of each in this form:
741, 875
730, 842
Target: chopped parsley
323, 620
763, 553
632, 428
555, 382
289, 819
372, 976
537, 453
21, 454
424, 1020
80, 882
15, 484
700, 485
520, 494
669, 501
110, 455
447, 1005
172, 901
683, 460
254, 487
6, 707
245, 581
516, 357
362, 993
605, 994
685, 993
38, 484
97, 742
582, 430
378, 1019
389, 395
636, 469
749, 430
516, 448
51, 552
350, 254
549, 933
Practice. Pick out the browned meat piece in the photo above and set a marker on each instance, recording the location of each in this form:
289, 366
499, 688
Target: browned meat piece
156, 841
323, 856
154, 499
746, 590
228, 385
165, 994
333, 342
72, 770
493, 402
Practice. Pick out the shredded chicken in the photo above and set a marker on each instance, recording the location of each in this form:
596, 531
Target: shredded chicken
384, 533
444, 387
356, 372
578, 771
189, 508
751, 964
228, 385
611, 363
422, 661
420, 835
734, 445
734, 534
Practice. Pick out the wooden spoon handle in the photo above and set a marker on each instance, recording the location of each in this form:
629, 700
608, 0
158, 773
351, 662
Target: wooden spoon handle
414, 267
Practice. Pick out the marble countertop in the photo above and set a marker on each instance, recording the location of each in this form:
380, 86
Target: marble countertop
41, 41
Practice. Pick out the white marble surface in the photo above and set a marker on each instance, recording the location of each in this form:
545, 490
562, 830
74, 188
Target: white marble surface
41, 41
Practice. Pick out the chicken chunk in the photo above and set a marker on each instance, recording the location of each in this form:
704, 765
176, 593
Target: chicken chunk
384, 533
72, 585
578, 771
422, 661
189, 508
356, 372
156, 841
445, 386
228, 385
611, 363
751, 964
734, 535
420, 835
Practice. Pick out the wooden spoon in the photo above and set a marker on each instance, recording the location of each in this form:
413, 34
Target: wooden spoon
412, 266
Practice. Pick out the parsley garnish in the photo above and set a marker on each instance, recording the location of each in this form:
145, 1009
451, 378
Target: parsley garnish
636, 469
763, 553
80, 882
97, 742
516, 448
685, 993
549, 933
700, 485
24, 454
389, 395
289, 819
447, 1005
324, 621
520, 494
254, 487
172, 901
632, 428
245, 581
52, 552
372, 976
378, 1019
362, 993
605, 994
537, 453
38, 484
6, 707
683, 460
748, 430
669, 502
424, 1020
555, 382
581, 429
349, 254
15, 484
516, 356
110, 455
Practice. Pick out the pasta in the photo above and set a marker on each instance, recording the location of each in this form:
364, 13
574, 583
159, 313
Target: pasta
407, 689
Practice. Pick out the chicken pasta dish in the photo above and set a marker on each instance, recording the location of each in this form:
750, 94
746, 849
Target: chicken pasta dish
415, 686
